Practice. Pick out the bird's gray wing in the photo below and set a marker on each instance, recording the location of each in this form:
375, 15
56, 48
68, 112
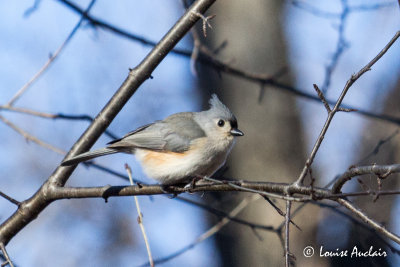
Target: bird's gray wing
182, 129
174, 134
131, 133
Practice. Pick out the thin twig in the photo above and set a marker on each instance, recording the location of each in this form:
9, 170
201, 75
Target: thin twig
82, 117
211, 60
241, 188
206, 22
332, 15
372, 193
5, 254
313, 10
31, 9
368, 220
211, 231
322, 97
341, 46
380, 170
27, 136
51, 59
347, 109
33, 206
222, 214
12, 200
371, 7
140, 218
331, 114
381, 142
356, 222
288, 255
196, 45
110, 191
280, 212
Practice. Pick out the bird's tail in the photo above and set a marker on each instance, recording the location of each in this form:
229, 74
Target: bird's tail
88, 155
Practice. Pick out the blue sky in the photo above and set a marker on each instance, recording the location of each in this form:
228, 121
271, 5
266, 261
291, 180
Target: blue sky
93, 66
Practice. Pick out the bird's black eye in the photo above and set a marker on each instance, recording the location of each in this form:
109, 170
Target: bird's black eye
221, 123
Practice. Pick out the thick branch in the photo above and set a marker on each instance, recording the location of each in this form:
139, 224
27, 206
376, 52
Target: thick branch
32, 207
380, 170
278, 188
112, 191
209, 59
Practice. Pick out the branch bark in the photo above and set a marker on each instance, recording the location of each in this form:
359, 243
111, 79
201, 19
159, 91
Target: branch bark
31, 208
337, 107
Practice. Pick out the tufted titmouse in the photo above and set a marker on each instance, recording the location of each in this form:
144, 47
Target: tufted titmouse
182, 146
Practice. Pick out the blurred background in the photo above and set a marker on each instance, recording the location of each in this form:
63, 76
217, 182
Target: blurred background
296, 43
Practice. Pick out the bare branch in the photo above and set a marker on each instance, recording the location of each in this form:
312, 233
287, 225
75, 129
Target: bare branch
322, 97
82, 117
31, 9
289, 257
349, 83
368, 220
206, 22
52, 57
278, 190
364, 193
29, 137
252, 190
12, 200
209, 59
371, 7
341, 46
39, 201
221, 214
381, 142
5, 254
379, 170
113, 191
347, 109
140, 218
280, 212
54, 193
212, 231
331, 15
357, 222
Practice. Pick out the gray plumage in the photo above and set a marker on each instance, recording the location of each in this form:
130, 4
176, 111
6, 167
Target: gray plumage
173, 134
88, 156
192, 132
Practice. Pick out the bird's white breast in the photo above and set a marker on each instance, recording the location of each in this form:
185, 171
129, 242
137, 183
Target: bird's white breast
202, 159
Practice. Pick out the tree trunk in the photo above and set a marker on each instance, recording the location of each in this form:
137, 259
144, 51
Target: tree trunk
272, 147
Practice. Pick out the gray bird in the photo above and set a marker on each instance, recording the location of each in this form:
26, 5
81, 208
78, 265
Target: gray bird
182, 146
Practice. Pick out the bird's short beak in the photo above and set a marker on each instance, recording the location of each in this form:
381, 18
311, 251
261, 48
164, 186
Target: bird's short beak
236, 132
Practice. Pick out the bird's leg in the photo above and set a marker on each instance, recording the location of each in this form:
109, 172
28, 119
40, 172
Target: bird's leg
168, 190
192, 184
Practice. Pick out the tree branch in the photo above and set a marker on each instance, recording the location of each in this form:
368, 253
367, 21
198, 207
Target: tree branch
288, 254
209, 59
5, 254
380, 170
335, 109
32, 138
211, 231
52, 57
31, 208
368, 220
